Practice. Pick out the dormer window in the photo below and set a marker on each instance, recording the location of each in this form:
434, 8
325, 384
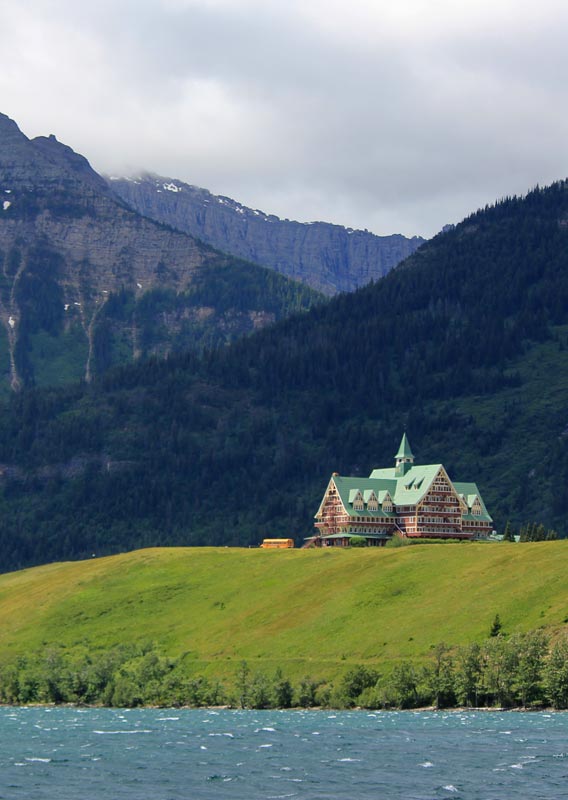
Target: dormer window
356, 499
370, 499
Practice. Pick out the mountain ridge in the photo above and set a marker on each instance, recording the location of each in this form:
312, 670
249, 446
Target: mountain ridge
328, 257
69, 246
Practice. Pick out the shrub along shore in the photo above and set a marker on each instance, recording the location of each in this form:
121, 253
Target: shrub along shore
519, 671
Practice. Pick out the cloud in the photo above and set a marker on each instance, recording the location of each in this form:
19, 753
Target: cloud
391, 117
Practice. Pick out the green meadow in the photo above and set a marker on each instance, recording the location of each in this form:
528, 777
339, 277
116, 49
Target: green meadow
307, 611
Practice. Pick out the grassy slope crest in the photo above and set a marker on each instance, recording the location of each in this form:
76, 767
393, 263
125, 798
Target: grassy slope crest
309, 612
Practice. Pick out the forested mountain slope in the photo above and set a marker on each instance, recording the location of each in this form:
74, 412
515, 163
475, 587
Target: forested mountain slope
86, 282
465, 345
329, 258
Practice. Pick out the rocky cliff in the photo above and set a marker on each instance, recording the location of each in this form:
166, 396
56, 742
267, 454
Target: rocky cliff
330, 258
85, 281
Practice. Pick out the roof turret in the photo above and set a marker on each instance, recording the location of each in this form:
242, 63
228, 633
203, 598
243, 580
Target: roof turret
404, 459
404, 450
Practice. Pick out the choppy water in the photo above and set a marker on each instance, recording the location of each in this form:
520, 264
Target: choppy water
67, 754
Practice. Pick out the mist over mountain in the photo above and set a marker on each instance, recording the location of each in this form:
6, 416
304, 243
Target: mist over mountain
329, 258
86, 282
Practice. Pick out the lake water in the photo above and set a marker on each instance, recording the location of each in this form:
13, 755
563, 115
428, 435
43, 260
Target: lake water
149, 754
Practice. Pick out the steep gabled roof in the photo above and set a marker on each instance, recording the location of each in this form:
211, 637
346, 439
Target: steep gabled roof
409, 489
404, 490
469, 492
347, 488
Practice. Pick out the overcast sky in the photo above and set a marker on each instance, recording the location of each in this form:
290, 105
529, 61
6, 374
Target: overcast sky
395, 116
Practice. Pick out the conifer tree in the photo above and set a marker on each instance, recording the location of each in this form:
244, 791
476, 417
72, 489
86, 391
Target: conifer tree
540, 533
508, 536
496, 626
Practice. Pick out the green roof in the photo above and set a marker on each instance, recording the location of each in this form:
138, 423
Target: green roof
404, 450
348, 487
469, 492
404, 490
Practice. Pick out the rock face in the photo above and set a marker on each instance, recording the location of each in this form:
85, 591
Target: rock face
329, 258
85, 281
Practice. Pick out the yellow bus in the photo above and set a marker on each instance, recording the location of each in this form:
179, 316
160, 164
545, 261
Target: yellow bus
277, 544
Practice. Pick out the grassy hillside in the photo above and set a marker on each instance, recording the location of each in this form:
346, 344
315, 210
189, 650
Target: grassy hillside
310, 612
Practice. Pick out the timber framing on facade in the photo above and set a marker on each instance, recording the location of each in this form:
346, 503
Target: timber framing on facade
407, 499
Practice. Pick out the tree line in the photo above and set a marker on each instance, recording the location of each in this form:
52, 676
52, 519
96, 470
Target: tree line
523, 670
529, 532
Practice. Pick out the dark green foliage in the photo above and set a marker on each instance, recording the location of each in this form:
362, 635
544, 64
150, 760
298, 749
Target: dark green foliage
38, 293
468, 672
306, 695
238, 285
556, 675
405, 541
220, 447
282, 691
439, 677
260, 692
400, 689
501, 659
39, 297
536, 532
533, 649
496, 626
243, 684
353, 685
508, 535
224, 301
523, 671
228, 298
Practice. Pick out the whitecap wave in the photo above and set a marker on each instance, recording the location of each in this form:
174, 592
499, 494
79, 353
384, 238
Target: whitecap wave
121, 733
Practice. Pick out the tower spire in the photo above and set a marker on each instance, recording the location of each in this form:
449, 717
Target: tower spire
404, 459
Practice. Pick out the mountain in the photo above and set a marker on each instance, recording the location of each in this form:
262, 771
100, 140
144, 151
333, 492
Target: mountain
86, 282
465, 344
329, 258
